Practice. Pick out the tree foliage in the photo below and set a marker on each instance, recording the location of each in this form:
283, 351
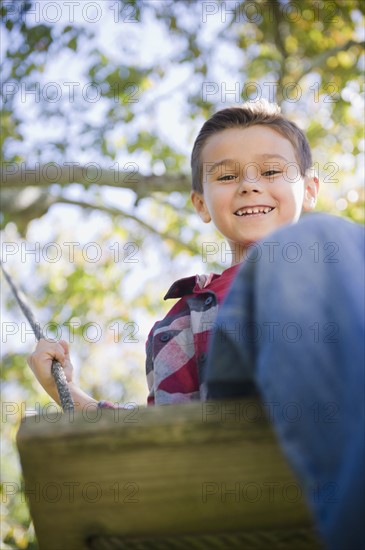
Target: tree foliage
308, 56
100, 108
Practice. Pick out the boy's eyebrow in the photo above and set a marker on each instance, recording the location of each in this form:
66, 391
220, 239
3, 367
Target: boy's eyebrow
211, 167
272, 156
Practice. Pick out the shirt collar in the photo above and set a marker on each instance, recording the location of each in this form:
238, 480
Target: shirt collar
189, 285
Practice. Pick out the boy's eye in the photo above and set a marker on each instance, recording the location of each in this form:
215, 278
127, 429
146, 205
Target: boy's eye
227, 177
269, 173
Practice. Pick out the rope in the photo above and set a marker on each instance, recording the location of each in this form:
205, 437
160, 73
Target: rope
57, 371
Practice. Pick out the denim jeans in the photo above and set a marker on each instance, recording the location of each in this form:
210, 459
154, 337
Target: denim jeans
292, 329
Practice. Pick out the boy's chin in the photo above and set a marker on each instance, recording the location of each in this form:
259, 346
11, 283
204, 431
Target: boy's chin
254, 235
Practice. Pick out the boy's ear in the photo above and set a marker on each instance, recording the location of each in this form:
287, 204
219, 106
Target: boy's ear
199, 204
311, 185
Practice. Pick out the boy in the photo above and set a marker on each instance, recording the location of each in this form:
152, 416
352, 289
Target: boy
292, 330
250, 176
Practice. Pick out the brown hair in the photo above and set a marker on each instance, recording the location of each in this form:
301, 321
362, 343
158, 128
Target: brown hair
245, 115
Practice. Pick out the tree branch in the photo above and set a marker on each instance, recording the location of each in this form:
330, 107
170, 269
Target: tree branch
322, 57
280, 45
164, 235
17, 176
278, 17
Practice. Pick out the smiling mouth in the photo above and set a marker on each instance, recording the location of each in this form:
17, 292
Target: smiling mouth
247, 211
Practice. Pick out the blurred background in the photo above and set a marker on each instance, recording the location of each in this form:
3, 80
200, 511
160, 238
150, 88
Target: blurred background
101, 103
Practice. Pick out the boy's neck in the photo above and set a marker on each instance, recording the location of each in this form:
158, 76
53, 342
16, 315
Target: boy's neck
237, 251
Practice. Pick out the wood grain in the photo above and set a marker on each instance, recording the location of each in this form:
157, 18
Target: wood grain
196, 472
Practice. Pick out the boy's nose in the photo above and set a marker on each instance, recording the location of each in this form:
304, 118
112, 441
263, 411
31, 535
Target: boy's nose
250, 180
249, 186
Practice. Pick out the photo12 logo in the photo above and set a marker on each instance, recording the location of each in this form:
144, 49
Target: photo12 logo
272, 12
71, 11
253, 91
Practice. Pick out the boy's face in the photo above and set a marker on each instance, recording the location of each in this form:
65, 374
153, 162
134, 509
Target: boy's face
251, 185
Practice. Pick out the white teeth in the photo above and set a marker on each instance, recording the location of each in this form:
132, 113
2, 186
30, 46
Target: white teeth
246, 211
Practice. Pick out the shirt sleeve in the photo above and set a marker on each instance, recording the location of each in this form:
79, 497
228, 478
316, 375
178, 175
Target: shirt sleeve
150, 375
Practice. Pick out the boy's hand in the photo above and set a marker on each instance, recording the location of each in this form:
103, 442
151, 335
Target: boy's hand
40, 361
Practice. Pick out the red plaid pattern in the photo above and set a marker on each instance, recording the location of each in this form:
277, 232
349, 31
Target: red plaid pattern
176, 349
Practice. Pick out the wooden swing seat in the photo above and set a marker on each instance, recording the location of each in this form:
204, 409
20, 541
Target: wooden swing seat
197, 475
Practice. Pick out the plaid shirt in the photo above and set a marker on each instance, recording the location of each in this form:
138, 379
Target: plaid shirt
176, 348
